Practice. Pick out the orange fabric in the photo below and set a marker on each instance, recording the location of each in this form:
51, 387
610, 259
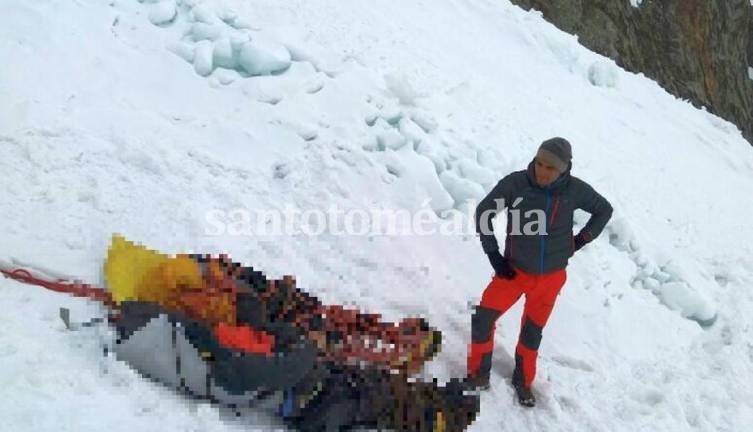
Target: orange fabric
475, 352
179, 285
528, 357
244, 338
163, 283
209, 306
540, 293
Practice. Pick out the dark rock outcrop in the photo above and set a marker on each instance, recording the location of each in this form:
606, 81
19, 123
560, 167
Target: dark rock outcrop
699, 50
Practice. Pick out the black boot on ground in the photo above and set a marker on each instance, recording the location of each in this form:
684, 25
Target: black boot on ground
478, 382
525, 396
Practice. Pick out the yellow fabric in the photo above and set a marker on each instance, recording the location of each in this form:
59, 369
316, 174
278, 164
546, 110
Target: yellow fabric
440, 425
134, 272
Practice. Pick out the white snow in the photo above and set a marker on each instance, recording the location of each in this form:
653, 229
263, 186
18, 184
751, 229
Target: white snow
223, 54
750, 69
461, 189
162, 12
202, 31
636, 3
203, 61
263, 57
603, 74
110, 123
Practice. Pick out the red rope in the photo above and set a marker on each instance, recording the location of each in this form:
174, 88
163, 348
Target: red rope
76, 289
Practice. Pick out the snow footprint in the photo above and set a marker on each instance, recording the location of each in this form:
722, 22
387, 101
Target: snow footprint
572, 363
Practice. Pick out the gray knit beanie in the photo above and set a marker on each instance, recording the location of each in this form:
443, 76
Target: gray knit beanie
556, 152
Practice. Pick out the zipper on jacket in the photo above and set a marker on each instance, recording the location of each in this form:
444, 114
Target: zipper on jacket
554, 212
546, 228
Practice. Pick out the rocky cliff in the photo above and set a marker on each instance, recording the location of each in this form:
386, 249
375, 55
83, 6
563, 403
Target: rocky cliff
700, 50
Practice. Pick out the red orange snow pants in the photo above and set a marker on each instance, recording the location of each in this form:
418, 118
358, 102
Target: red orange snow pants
540, 292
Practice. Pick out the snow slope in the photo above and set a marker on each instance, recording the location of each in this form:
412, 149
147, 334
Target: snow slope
139, 118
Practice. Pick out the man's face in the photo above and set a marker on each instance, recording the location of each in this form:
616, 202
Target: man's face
545, 173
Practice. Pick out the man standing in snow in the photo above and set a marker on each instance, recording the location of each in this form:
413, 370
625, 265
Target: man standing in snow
543, 197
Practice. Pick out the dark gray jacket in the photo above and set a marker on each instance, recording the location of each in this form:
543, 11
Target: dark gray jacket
541, 253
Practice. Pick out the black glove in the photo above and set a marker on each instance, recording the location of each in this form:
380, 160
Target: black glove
579, 242
501, 266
